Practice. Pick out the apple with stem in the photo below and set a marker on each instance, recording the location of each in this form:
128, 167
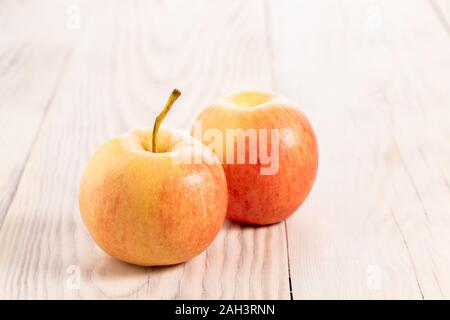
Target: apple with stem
144, 204
280, 154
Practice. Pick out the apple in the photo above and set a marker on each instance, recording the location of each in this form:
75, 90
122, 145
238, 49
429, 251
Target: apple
144, 204
280, 166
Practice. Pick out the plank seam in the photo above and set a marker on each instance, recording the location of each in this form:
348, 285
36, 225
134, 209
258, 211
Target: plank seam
413, 183
288, 260
411, 260
53, 91
441, 17
269, 46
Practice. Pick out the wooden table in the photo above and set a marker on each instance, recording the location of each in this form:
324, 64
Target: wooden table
373, 77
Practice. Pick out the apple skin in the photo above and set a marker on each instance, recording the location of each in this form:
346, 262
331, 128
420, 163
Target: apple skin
265, 199
152, 209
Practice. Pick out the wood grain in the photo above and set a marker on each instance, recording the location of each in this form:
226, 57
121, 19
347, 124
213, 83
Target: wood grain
127, 58
373, 77
442, 9
28, 82
374, 80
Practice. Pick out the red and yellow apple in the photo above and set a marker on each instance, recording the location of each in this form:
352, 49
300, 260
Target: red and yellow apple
255, 196
144, 203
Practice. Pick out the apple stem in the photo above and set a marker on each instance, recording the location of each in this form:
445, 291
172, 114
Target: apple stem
172, 98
